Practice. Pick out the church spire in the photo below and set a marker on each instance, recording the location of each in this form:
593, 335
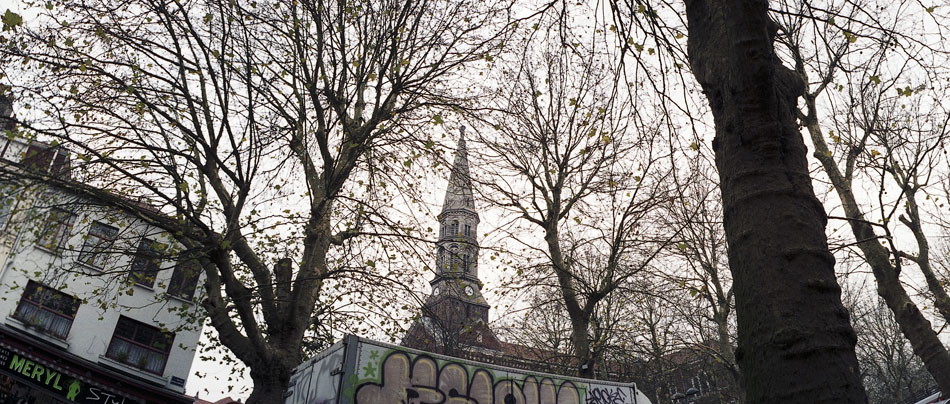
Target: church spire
457, 257
455, 315
459, 194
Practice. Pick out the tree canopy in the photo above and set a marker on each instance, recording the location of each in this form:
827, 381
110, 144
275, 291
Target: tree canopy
644, 160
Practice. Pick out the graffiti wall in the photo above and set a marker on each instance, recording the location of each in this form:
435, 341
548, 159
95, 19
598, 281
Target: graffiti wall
317, 381
360, 371
395, 376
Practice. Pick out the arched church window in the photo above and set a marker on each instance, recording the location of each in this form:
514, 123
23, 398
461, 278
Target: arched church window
440, 260
455, 228
454, 257
465, 263
468, 230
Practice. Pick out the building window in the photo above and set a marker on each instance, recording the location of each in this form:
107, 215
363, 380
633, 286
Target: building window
185, 278
94, 246
455, 228
48, 310
140, 345
454, 257
440, 260
145, 264
55, 232
468, 230
38, 157
7, 208
465, 263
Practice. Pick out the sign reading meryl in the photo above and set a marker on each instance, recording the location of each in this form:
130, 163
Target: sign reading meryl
53, 381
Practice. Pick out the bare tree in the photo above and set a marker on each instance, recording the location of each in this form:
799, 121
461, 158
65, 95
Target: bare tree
543, 329
697, 262
891, 371
259, 131
795, 343
581, 165
884, 139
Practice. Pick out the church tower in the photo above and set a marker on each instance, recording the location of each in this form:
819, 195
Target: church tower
455, 315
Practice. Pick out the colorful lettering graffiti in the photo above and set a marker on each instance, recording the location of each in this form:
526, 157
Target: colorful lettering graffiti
600, 395
420, 381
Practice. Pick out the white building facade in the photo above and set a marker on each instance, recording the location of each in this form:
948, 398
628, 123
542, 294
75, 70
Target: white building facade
95, 306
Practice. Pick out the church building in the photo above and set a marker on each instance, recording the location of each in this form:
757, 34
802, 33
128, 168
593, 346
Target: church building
454, 318
450, 354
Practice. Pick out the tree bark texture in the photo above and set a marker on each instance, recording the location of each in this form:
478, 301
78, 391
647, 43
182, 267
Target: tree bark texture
796, 344
270, 382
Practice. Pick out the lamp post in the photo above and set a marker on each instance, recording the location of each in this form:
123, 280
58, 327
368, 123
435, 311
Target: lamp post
685, 398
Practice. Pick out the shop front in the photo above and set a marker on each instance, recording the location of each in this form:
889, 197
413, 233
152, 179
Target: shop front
31, 373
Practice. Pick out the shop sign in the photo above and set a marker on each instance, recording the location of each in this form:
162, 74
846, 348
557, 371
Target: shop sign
61, 385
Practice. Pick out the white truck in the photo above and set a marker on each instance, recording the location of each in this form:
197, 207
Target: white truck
362, 371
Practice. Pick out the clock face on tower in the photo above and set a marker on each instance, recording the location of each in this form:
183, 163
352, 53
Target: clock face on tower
469, 291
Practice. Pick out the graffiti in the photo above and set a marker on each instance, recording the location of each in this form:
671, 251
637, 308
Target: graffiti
599, 395
74, 389
96, 395
319, 384
420, 381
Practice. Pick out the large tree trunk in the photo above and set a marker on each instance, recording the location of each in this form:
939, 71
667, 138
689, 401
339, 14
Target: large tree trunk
585, 361
270, 383
796, 344
580, 315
